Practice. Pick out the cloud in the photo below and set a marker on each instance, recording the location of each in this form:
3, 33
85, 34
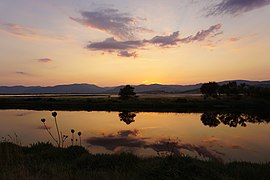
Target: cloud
127, 133
23, 73
165, 145
203, 34
27, 32
233, 40
123, 48
120, 25
43, 128
128, 139
165, 40
127, 54
174, 39
110, 44
219, 152
235, 146
203, 151
21, 114
211, 140
176, 147
235, 7
44, 60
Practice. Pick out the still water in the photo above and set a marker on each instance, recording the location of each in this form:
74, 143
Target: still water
225, 136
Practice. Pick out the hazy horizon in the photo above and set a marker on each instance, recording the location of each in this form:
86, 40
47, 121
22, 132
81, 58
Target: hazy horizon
47, 43
115, 85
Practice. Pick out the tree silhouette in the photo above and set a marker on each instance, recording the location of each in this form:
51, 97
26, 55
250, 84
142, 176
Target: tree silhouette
213, 119
210, 119
210, 89
127, 92
127, 117
230, 89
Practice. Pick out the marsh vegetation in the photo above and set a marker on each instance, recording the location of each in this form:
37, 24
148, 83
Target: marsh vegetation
158, 103
45, 161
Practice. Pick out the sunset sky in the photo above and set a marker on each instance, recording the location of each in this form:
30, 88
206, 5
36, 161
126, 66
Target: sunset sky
133, 41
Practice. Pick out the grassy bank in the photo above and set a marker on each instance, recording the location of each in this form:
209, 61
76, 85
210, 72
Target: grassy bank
44, 161
141, 103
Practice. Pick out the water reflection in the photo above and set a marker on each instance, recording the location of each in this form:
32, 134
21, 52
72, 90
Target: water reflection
150, 134
213, 119
127, 117
131, 140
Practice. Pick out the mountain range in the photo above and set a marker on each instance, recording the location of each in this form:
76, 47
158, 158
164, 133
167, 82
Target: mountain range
93, 89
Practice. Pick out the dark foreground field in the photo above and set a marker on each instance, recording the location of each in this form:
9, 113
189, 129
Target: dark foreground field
44, 161
141, 103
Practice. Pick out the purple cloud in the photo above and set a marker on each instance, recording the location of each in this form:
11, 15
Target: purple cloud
174, 39
203, 34
123, 48
235, 7
165, 40
29, 32
120, 25
18, 29
233, 40
127, 54
110, 44
44, 60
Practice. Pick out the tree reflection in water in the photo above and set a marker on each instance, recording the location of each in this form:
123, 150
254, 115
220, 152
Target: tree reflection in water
127, 117
213, 119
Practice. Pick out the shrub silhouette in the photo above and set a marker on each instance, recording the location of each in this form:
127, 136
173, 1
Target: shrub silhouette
127, 92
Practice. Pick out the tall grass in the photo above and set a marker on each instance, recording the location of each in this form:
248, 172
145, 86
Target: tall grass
61, 137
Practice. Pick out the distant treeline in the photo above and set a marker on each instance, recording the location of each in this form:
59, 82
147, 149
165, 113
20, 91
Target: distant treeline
213, 89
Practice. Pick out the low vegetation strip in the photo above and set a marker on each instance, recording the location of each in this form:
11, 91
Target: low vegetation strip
45, 161
153, 104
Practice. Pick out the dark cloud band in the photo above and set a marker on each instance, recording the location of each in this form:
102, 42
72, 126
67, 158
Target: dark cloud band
235, 7
44, 60
120, 25
123, 48
23, 73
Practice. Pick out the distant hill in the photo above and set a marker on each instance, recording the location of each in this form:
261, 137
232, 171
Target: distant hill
157, 88
59, 89
251, 83
93, 89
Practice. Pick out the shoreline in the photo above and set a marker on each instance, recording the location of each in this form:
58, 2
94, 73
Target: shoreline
139, 104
